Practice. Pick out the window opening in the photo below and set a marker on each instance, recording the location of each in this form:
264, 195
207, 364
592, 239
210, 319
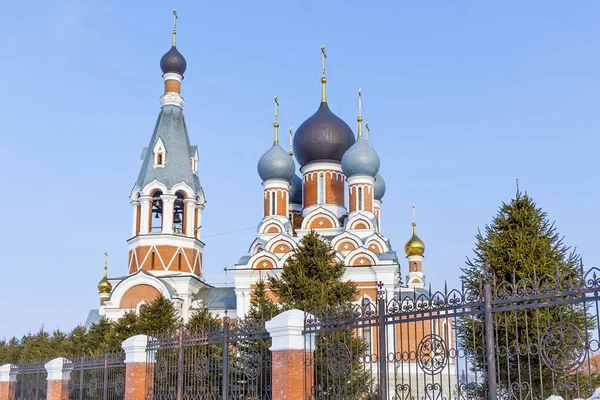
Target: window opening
321, 188
156, 219
179, 262
152, 261
273, 203
360, 199
179, 213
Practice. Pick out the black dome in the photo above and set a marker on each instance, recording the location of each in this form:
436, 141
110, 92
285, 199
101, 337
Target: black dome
173, 61
323, 136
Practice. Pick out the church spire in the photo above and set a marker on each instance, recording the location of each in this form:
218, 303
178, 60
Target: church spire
276, 123
360, 118
174, 27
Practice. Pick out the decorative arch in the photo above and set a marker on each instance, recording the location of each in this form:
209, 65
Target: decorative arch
360, 221
361, 257
272, 225
137, 279
263, 260
319, 219
257, 246
185, 188
154, 185
281, 244
346, 242
376, 244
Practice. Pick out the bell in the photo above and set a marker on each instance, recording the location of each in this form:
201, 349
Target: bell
156, 215
177, 218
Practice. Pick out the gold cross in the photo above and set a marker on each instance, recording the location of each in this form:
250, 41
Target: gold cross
323, 57
174, 26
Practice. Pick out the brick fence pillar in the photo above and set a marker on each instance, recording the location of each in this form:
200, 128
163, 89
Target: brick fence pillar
8, 381
59, 373
290, 348
139, 368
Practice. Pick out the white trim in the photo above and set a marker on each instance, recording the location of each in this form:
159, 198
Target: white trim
361, 252
139, 278
280, 238
286, 331
320, 212
159, 150
58, 369
8, 373
361, 180
276, 183
172, 76
135, 350
321, 165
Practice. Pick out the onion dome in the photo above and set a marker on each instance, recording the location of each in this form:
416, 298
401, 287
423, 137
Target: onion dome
379, 187
173, 61
415, 246
360, 159
323, 136
276, 163
296, 190
104, 286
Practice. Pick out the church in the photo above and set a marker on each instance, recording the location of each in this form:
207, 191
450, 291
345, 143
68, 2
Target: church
328, 181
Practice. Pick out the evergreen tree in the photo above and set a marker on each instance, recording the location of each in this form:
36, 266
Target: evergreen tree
311, 280
160, 317
261, 305
76, 342
99, 337
202, 320
520, 243
123, 328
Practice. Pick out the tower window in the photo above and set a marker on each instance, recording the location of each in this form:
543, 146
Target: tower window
160, 154
360, 199
179, 262
414, 267
321, 189
156, 212
273, 203
152, 259
179, 213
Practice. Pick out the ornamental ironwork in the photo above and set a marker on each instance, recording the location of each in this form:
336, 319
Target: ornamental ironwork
252, 364
201, 367
432, 354
338, 360
563, 347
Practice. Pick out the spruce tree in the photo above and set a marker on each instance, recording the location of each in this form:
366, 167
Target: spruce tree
99, 337
202, 320
160, 317
520, 245
312, 280
261, 305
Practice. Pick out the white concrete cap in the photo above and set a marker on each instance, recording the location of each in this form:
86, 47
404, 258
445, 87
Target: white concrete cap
8, 373
286, 331
135, 349
58, 369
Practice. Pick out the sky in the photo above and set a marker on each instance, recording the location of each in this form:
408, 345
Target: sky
462, 98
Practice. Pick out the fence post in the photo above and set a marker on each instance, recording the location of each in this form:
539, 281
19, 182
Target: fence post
382, 344
59, 373
8, 381
490, 350
138, 367
288, 355
225, 388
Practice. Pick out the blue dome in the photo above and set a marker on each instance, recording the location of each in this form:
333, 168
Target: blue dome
173, 61
360, 159
296, 190
276, 163
379, 187
323, 136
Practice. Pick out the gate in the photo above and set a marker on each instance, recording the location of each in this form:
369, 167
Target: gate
97, 378
31, 382
228, 362
524, 339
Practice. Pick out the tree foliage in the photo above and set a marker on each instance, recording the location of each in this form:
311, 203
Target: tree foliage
519, 245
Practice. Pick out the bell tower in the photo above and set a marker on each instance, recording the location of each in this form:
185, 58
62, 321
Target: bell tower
167, 198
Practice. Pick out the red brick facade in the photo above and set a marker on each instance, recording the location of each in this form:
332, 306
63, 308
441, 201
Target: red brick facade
288, 376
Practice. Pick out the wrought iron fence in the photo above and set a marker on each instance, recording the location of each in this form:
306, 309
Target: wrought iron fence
97, 378
524, 339
231, 361
31, 382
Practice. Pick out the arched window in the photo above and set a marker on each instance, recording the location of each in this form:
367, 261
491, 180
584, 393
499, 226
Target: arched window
152, 260
273, 202
138, 215
366, 334
179, 213
156, 212
179, 261
360, 199
160, 155
415, 266
321, 188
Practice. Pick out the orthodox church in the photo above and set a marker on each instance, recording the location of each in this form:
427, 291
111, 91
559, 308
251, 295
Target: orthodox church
337, 192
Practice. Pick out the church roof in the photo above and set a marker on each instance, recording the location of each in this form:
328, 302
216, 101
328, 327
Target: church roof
218, 298
92, 318
171, 130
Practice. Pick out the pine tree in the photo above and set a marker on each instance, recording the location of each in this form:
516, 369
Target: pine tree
520, 243
159, 317
76, 342
99, 337
261, 305
125, 327
202, 320
311, 280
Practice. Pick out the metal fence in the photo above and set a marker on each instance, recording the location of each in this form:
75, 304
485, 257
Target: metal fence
231, 361
522, 339
97, 378
31, 382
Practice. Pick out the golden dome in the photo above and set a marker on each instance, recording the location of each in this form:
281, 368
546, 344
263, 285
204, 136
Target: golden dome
415, 246
104, 286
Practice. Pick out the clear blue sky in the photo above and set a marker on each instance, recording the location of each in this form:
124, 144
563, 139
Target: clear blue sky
462, 98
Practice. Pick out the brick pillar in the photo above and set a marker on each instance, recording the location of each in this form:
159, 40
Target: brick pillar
139, 367
290, 348
59, 373
8, 381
